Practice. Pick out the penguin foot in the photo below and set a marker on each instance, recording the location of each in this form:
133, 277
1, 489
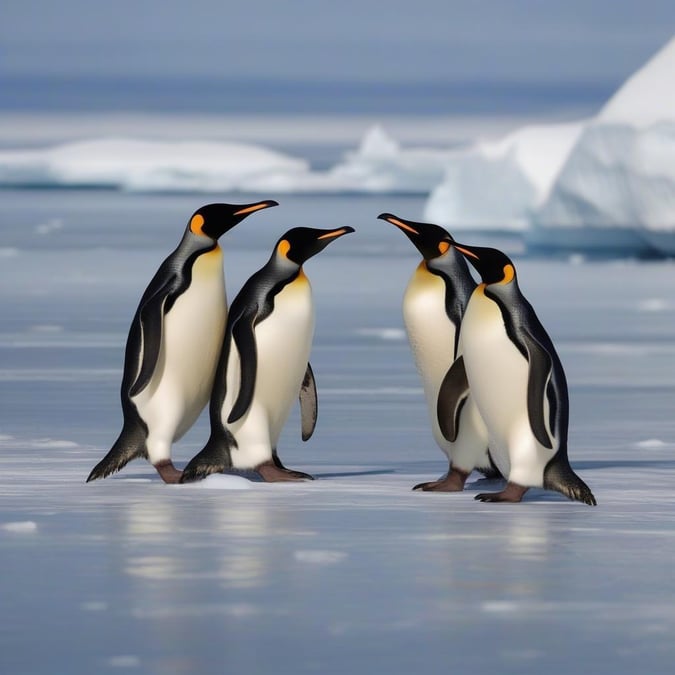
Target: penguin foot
271, 473
511, 493
453, 482
168, 472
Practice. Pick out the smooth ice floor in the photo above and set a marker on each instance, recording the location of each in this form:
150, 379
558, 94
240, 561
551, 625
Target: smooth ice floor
352, 573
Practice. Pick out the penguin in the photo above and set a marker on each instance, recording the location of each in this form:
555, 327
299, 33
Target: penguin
433, 306
264, 364
174, 343
518, 382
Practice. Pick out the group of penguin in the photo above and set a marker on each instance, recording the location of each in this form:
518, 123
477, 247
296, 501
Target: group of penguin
493, 382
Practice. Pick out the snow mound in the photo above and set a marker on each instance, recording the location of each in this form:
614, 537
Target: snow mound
496, 185
617, 187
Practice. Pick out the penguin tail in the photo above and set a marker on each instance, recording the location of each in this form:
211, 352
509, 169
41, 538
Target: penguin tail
129, 445
214, 458
559, 476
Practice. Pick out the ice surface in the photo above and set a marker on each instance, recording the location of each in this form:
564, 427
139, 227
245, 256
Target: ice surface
354, 572
498, 184
617, 188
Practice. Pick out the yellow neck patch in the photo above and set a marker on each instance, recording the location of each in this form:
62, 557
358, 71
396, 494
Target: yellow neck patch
443, 247
283, 248
509, 274
196, 224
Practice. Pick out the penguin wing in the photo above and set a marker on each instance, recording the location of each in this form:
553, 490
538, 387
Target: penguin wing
308, 404
452, 396
538, 380
150, 318
244, 339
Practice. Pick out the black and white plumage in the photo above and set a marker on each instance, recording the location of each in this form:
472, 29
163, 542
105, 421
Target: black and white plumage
518, 382
174, 343
264, 364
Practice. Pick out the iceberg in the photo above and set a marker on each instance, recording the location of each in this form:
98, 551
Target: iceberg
378, 165
495, 185
616, 191
131, 164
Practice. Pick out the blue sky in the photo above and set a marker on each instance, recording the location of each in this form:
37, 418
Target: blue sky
349, 40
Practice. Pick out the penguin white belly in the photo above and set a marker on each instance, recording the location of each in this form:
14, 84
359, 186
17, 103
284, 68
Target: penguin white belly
283, 341
431, 335
192, 336
432, 340
498, 376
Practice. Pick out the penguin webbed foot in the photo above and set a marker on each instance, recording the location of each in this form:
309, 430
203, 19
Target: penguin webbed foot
270, 472
511, 493
453, 482
168, 472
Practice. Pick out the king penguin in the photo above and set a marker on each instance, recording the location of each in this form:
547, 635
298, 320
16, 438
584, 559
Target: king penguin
518, 383
174, 344
433, 306
264, 364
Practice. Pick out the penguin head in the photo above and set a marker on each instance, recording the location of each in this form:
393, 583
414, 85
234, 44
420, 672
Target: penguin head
301, 243
430, 240
493, 266
213, 220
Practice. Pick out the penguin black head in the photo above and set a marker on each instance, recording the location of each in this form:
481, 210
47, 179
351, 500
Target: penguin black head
301, 243
493, 266
429, 239
213, 220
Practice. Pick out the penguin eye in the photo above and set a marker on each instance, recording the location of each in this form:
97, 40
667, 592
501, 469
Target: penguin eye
196, 224
443, 246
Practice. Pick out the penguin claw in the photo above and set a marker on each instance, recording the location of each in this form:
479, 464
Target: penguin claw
511, 493
452, 482
271, 473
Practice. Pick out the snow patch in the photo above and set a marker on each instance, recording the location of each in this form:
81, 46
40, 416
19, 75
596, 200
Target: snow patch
651, 444
220, 481
387, 334
320, 557
55, 444
125, 661
655, 305
20, 527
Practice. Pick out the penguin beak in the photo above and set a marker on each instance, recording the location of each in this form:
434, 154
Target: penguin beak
245, 209
401, 224
466, 252
337, 233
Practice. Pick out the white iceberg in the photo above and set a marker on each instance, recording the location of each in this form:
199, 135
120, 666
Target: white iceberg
381, 165
496, 185
378, 165
131, 164
616, 190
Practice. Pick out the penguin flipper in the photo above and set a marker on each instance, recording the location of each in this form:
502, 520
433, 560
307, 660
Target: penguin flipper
215, 457
308, 404
539, 377
452, 396
151, 319
244, 339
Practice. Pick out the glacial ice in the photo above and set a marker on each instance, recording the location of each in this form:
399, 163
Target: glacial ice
617, 188
378, 165
496, 184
